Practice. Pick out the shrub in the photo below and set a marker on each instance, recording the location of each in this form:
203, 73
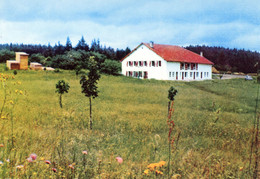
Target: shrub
111, 67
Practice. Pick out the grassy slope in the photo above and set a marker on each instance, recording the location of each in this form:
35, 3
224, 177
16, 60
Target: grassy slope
130, 121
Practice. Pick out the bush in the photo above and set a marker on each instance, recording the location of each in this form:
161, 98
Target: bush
111, 67
15, 72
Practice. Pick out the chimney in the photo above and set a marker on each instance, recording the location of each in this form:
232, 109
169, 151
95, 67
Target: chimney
201, 54
151, 44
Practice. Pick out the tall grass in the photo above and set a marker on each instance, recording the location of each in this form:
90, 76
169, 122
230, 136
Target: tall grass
129, 120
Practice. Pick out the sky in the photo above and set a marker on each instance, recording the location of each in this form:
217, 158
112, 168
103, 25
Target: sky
127, 23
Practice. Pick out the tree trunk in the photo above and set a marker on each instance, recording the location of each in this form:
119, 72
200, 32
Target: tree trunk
60, 102
90, 113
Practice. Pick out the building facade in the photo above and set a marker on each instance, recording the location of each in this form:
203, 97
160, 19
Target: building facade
165, 62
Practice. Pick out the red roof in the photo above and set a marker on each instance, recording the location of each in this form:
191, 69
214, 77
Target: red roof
172, 53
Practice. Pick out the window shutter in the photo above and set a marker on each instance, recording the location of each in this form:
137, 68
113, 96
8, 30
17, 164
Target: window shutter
156, 63
150, 63
127, 64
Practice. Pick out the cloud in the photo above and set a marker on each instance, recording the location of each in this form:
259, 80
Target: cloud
119, 24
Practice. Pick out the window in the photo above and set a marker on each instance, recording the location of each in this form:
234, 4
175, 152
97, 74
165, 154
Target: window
160, 63
186, 74
173, 74
170, 74
145, 63
153, 63
207, 74
188, 64
197, 74
190, 74
135, 63
140, 63
140, 74
176, 75
181, 66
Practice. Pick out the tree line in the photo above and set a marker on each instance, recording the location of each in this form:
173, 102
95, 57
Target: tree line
226, 59
69, 57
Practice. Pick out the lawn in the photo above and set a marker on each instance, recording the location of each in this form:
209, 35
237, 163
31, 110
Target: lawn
213, 119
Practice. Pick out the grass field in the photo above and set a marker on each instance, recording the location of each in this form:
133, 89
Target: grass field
213, 118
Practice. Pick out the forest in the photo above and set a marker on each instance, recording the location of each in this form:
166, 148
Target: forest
74, 57
226, 59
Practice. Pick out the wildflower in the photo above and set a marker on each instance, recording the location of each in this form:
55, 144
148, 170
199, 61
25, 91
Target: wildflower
11, 102
16, 91
54, 170
3, 117
158, 172
33, 156
85, 152
146, 172
71, 166
7, 160
152, 166
161, 163
241, 168
42, 158
30, 160
47, 162
119, 160
1, 163
19, 167
21, 92
1, 145
19, 82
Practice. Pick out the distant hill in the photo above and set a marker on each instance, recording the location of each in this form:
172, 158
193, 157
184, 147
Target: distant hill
226, 59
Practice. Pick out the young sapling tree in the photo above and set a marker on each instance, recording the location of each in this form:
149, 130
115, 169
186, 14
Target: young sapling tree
171, 94
61, 88
89, 85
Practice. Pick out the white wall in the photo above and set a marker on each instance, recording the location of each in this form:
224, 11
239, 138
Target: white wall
143, 53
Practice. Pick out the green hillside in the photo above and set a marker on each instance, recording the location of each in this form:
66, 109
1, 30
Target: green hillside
214, 121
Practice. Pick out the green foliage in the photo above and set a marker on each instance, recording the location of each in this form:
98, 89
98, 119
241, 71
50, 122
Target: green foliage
61, 88
111, 67
89, 83
6, 55
171, 93
37, 58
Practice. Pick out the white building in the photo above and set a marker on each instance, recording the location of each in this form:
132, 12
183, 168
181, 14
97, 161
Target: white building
165, 62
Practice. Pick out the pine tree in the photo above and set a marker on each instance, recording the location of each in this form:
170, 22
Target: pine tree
68, 46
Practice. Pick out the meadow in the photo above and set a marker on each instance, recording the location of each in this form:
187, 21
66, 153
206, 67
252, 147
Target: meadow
213, 128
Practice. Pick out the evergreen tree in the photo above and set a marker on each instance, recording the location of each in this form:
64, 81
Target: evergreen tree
68, 46
82, 45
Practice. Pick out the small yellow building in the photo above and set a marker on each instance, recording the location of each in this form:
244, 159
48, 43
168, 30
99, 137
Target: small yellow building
20, 62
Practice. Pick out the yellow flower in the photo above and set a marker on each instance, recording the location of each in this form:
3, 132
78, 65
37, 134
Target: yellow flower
241, 168
11, 102
146, 172
162, 163
19, 83
16, 91
21, 92
159, 172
